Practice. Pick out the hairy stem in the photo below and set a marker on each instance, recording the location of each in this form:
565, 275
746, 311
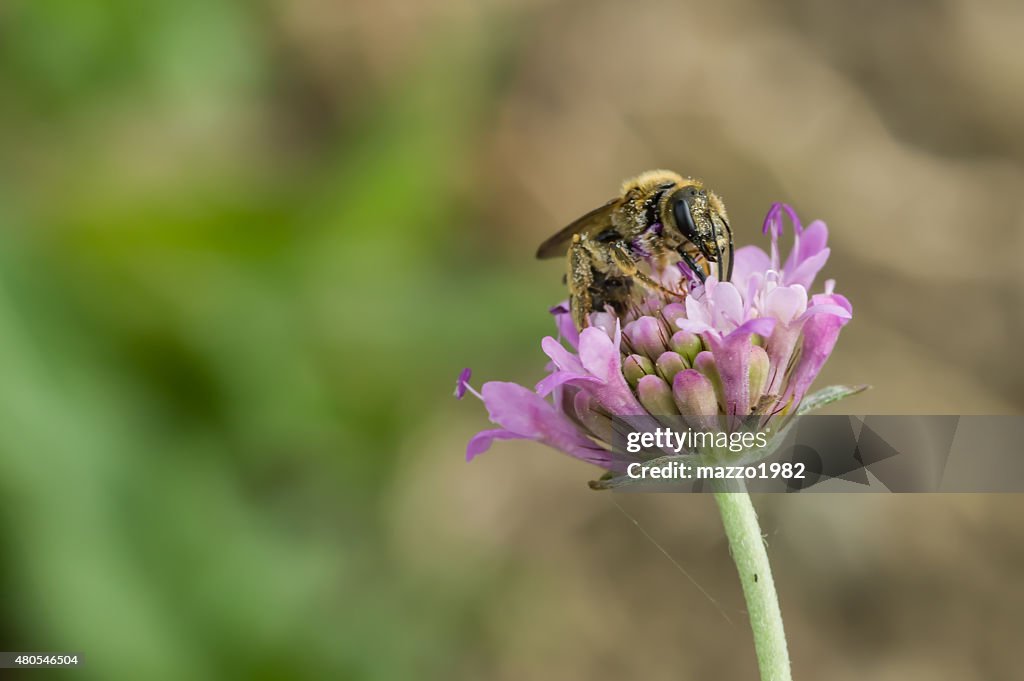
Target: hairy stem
751, 558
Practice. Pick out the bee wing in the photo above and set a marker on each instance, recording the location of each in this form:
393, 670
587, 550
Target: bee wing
593, 222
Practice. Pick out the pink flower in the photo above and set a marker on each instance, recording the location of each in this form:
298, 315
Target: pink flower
749, 347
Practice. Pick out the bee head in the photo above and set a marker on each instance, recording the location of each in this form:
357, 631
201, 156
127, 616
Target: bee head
690, 213
695, 217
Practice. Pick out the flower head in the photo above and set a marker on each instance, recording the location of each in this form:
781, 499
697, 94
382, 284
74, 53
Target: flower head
719, 353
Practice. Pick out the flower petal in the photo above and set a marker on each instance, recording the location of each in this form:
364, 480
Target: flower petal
555, 379
826, 308
747, 261
732, 358
812, 240
697, 311
481, 442
520, 411
565, 325
786, 303
808, 255
780, 346
694, 326
598, 355
588, 413
562, 358
832, 298
820, 335
727, 305
806, 271
762, 326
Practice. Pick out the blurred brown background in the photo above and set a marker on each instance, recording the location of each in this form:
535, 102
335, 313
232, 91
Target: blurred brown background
245, 248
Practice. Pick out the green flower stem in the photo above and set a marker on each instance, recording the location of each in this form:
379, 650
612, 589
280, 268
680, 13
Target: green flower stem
751, 558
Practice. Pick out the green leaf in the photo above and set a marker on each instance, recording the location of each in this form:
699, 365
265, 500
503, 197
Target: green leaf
828, 395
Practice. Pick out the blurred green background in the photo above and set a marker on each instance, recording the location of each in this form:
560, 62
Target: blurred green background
245, 248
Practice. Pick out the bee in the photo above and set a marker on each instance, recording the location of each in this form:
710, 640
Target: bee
657, 217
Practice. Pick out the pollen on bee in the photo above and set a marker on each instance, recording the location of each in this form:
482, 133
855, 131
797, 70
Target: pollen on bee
649, 178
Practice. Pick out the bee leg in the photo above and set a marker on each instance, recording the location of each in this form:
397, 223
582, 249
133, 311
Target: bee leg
579, 307
628, 266
580, 277
691, 262
651, 283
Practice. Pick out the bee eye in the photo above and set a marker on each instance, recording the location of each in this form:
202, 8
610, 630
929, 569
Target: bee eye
682, 215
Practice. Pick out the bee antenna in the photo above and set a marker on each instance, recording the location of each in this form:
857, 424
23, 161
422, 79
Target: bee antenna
728, 231
718, 257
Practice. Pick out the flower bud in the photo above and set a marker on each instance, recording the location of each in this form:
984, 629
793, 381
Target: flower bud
686, 344
669, 364
636, 367
656, 396
694, 395
647, 336
704, 362
672, 312
603, 321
